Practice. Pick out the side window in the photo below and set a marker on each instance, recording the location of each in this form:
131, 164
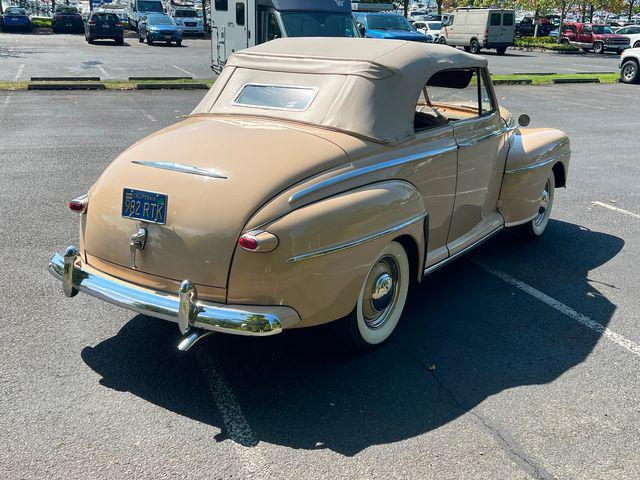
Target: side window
507, 19
239, 13
273, 28
453, 95
222, 5
495, 19
587, 30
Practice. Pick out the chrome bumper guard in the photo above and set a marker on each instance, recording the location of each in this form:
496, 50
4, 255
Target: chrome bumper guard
194, 318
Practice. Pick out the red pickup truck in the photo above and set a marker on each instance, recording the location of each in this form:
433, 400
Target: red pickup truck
588, 36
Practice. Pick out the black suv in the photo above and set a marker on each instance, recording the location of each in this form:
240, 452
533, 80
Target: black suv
104, 25
67, 18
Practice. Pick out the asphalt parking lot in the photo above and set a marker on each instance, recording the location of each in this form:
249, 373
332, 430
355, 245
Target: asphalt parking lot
520, 361
40, 54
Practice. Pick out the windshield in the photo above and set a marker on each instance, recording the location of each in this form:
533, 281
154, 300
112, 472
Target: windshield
185, 14
160, 20
388, 22
67, 10
435, 25
600, 29
149, 6
319, 24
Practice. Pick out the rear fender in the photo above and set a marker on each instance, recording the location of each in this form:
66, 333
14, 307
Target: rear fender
325, 250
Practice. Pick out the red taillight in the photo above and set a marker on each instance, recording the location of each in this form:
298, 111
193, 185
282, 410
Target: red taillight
258, 241
248, 242
118, 24
486, 33
56, 17
79, 204
91, 23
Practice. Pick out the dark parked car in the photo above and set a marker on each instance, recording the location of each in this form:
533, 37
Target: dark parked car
527, 26
15, 18
157, 27
104, 25
67, 18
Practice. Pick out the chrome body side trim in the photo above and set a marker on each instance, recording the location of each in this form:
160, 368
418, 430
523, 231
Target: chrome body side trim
183, 308
177, 167
482, 138
468, 248
354, 243
357, 172
540, 164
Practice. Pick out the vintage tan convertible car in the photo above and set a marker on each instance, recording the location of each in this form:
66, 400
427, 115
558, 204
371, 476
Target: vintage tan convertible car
314, 182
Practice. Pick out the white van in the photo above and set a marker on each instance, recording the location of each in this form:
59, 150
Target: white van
477, 28
138, 8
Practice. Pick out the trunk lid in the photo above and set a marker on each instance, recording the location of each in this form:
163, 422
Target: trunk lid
204, 215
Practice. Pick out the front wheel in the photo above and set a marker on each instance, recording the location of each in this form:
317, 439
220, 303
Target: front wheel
149, 41
178, 43
442, 40
380, 302
598, 48
637, 44
629, 72
535, 228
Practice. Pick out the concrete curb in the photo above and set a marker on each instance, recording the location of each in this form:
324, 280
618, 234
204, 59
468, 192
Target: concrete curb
65, 79
524, 81
66, 86
171, 86
576, 80
137, 79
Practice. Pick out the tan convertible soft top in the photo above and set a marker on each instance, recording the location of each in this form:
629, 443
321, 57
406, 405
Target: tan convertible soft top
368, 87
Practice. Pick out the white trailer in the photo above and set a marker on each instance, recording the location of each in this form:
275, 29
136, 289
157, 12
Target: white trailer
244, 23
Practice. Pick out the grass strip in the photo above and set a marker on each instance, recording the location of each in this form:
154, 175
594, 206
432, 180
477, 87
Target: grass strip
549, 79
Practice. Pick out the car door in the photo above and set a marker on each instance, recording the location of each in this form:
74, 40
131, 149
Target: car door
433, 171
482, 142
586, 35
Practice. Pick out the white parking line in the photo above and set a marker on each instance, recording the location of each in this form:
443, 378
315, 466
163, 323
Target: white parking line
235, 423
568, 311
103, 71
19, 72
183, 70
616, 209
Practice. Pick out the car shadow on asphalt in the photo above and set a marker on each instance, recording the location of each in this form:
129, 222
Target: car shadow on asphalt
466, 335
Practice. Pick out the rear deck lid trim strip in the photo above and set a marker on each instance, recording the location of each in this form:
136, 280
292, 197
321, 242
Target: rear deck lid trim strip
177, 167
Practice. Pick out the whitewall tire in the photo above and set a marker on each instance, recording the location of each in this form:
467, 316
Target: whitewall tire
381, 300
536, 227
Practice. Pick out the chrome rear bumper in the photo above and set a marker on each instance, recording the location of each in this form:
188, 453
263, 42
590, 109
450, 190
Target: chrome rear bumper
184, 308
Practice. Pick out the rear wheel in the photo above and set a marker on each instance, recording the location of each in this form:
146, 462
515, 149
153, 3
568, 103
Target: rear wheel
380, 302
474, 46
149, 41
536, 227
178, 43
637, 44
140, 39
598, 47
629, 73
120, 41
442, 40
501, 50
565, 41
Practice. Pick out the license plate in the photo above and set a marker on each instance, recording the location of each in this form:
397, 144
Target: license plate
168, 37
145, 206
67, 24
105, 26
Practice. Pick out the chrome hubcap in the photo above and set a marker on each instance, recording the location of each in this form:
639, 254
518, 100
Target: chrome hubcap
544, 205
380, 292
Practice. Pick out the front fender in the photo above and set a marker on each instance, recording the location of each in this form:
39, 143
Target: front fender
326, 249
533, 153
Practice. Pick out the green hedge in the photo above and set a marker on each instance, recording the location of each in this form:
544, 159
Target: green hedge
41, 22
546, 43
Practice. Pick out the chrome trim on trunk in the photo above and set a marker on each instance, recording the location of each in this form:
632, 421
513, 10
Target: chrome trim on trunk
353, 243
184, 309
177, 167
